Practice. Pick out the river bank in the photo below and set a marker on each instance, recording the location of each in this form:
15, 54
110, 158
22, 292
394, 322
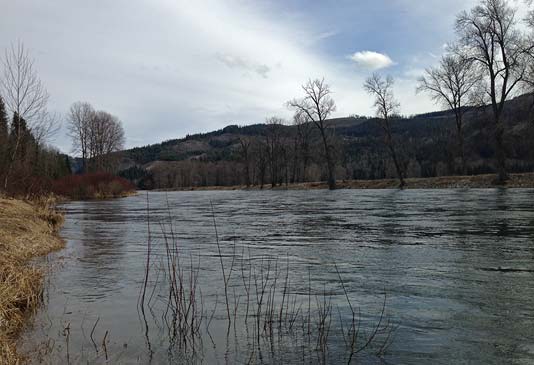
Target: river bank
27, 230
487, 181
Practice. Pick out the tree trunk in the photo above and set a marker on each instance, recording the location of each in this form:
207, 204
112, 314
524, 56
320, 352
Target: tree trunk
459, 129
462, 152
247, 174
502, 175
305, 166
13, 156
329, 163
398, 168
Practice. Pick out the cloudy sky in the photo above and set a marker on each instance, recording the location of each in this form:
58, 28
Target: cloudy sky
167, 68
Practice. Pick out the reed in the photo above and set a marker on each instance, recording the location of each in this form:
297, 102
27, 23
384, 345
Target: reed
27, 230
269, 313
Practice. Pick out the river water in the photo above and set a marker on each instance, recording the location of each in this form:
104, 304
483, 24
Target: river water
433, 276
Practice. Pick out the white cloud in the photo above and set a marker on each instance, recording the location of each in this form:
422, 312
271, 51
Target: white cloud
372, 60
235, 62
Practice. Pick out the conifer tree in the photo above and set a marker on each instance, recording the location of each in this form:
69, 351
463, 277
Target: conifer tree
3, 136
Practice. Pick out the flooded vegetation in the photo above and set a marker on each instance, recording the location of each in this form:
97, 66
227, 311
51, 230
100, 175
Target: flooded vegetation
27, 230
292, 276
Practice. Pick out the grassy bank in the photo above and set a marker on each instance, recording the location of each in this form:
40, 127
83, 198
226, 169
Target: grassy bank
525, 180
27, 230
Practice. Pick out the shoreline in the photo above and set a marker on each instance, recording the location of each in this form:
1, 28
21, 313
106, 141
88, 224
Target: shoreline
27, 230
486, 181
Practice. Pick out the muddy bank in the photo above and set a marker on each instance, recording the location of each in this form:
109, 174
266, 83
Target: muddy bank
27, 230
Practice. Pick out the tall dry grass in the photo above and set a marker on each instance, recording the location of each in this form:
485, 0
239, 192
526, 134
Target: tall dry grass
27, 230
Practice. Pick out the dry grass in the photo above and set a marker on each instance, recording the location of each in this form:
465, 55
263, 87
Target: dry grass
27, 230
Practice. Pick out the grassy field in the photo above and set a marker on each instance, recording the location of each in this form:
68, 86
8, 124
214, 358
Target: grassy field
27, 230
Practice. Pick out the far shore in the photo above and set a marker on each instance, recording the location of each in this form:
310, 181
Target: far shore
525, 180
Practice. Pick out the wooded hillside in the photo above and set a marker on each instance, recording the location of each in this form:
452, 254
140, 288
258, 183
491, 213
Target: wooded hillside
274, 153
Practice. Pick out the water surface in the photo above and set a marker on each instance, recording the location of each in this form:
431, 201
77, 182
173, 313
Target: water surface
456, 268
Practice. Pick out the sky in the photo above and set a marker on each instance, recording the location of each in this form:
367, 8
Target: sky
168, 68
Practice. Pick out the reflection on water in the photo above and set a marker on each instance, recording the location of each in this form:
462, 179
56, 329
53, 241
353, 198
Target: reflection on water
457, 267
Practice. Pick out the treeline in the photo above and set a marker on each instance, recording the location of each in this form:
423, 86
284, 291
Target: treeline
28, 165
426, 147
490, 63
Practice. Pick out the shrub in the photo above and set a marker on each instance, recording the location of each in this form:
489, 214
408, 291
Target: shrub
92, 186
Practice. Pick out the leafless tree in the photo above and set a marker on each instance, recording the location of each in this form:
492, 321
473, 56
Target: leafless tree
274, 148
259, 151
45, 129
386, 106
106, 137
490, 36
452, 84
530, 50
245, 151
79, 119
318, 105
25, 97
303, 144
530, 16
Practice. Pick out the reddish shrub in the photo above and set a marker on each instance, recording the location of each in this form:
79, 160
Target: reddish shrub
28, 186
91, 186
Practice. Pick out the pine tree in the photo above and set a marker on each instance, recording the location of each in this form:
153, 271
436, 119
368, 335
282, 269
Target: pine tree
20, 138
68, 168
3, 136
3, 122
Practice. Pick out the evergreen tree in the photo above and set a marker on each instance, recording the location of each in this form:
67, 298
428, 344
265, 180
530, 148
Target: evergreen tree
68, 168
3, 137
20, 140
3, 122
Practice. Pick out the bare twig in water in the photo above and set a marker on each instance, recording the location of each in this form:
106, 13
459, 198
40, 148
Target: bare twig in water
92, 332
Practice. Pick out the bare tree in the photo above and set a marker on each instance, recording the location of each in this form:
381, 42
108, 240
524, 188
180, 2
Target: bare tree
273, 139
245, 151
24, 95
318, 105
386, 106
259, 150
530, 16
80, 117
530, 50
106, 137
46, 127
451, 84
490, 36
303, 144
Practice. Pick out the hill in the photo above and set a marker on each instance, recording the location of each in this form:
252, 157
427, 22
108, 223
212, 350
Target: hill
237, 155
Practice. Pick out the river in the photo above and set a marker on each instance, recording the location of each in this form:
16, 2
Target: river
433, 276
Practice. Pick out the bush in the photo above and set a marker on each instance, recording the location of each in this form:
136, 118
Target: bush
92, 186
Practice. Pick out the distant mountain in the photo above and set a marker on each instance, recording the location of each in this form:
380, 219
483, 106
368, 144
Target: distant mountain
427, 143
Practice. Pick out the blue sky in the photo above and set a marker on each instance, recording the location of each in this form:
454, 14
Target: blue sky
167, 68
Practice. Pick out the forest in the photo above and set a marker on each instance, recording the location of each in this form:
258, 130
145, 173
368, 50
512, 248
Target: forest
252, 155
